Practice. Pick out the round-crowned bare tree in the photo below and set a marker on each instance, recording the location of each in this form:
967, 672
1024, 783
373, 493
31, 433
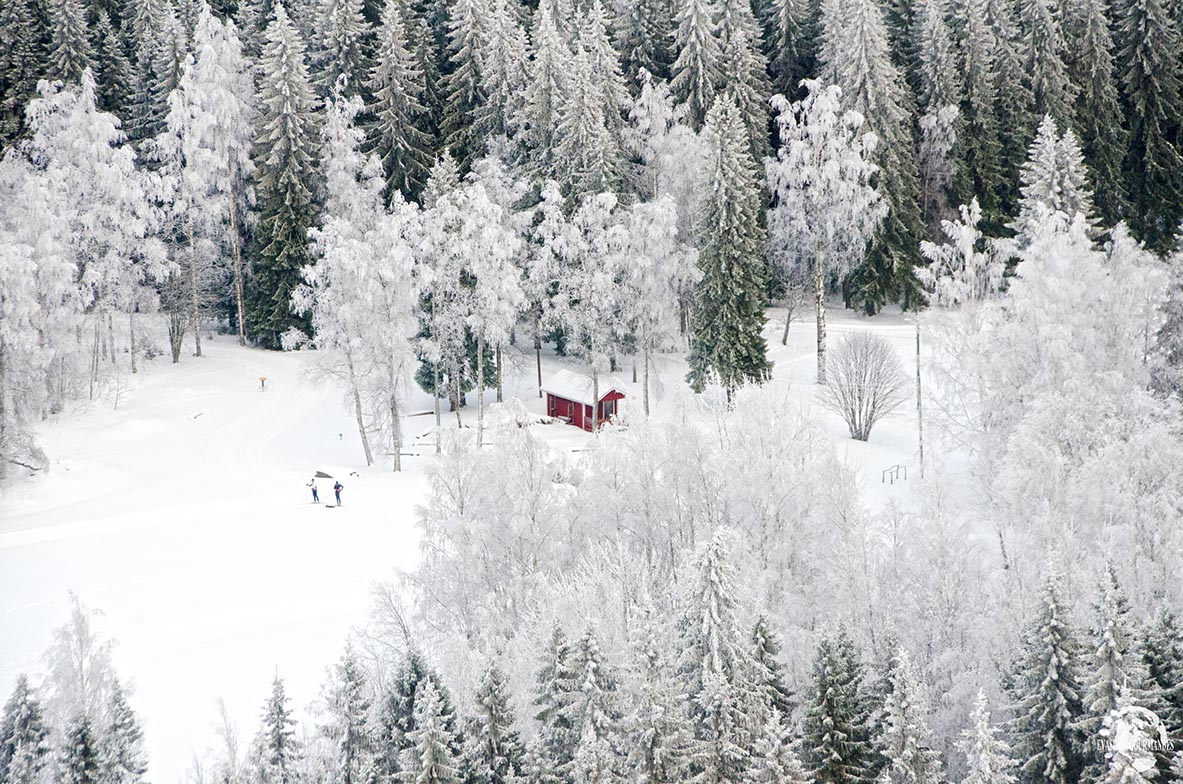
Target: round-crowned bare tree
865, 382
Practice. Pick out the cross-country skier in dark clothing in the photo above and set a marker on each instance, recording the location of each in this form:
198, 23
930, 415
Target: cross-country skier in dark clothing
337, 488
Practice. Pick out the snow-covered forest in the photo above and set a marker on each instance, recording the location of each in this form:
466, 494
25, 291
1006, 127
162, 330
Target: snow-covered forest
424, 204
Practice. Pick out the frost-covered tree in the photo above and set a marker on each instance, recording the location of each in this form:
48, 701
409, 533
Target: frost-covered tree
122, 759
658, 728
660, 268
159, 44
78, 758
555, 686
398, 715
726, 709
988, 757
24, 737
285, 157
348, 703
644, 36
593, 710
1098, 117
766, 651
788, 44
1047, 694
587, 152
775, 762
604, 63
339, 46
503, 72
546, 94
360, 293
71, 52
430, 758
699, 66
865, 382
1161, 646
963, 271
1054, 180
747, 70
397, 109
1014, 100
855, 57
726, 344
1043, 52
836, 742
494, 753
906, 738
277, 751
113, 71
1148, 42
825, 208
939, 94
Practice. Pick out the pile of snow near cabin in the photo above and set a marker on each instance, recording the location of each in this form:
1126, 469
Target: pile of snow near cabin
554, 392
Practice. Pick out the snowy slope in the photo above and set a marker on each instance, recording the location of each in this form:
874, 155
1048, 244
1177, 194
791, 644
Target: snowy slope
183, 515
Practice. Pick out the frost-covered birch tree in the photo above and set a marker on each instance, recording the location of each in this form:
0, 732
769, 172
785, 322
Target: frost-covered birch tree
825, 209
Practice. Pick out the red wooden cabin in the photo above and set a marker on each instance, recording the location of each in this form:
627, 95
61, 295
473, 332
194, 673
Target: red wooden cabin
569, 397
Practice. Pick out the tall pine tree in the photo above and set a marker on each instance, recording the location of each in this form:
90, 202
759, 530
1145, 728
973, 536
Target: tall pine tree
24, 737
397, 111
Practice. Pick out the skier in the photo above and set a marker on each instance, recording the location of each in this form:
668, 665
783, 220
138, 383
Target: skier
315, 495
337, 488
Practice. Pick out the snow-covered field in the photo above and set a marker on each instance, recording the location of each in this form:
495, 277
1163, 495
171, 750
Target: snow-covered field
183, 516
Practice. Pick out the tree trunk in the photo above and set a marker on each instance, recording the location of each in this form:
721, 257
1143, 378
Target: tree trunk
919, 407
784, 339
94, 359
645, 388
480, 390
500, 386
538, 347
111, 335
131, 334
361, 425
595, 400
194, 297
396, 429
457, 394
239, 286
3, 421
439, 427
176, 334
820, 294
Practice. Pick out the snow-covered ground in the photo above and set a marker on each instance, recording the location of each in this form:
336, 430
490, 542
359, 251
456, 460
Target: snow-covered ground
184, 517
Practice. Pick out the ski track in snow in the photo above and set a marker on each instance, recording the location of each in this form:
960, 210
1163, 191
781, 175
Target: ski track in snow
184, 517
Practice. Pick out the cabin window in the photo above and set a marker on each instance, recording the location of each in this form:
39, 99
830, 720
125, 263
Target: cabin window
609, 409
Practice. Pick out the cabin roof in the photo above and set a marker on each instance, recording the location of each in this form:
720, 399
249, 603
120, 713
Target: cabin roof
574, 386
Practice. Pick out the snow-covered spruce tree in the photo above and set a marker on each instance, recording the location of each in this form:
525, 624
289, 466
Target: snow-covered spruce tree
774, 761
1148, 42
547, 238
1167, 375
699, 66
546, 94
1043, 52
906, 736
277, 751
1016, 119
824, 206
430, 756
1098, 117
113, 72
339, 46
727, 709
593, 35
766, 647
71, 52
463, 86
979, 131
660, 269
348, 703
1117, 675
1046, 693
594, 714
557, 682
24, 737
360, 293
504, 65
285, 158
397, 110
836, 742
939, 94
587, 152
78, 758
397, 715
988, 757
23, 59
788, 44
726, 344
122, 759
494, 753
855, 56
1054, 180
746, 77
1161, 647
159, 46
644, 35
658, 729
